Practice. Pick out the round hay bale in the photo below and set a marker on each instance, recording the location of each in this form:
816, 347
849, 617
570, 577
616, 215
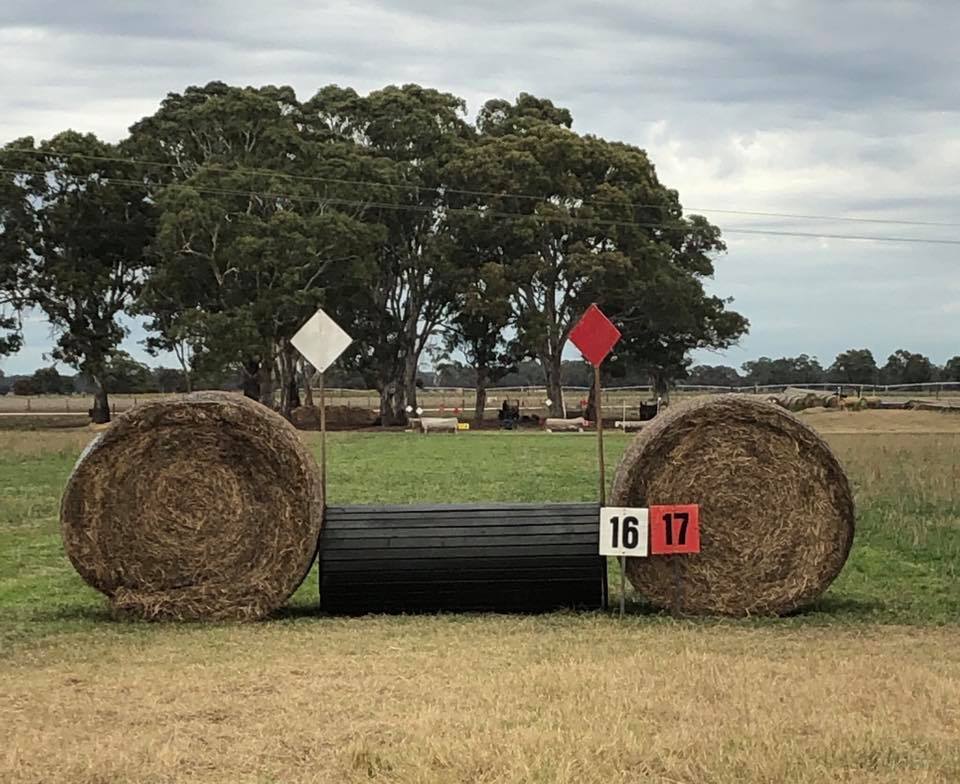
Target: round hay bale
202, 507
305, 418
776, 510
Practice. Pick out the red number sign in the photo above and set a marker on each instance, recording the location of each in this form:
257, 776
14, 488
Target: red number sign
674, 529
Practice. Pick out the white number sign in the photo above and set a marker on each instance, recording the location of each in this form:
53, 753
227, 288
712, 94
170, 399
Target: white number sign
624, 531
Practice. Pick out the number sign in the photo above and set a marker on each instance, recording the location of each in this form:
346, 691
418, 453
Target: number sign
623, 531
674, 529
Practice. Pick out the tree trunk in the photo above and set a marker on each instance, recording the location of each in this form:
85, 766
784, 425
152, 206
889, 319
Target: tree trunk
265, 386
307, 386
289, 383
410, 380
591, 413
100, 413
251, 379
392, 405
483, 379
551, 372
293, 392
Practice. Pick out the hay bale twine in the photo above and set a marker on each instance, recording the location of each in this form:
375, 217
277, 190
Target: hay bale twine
202, 507
776, 510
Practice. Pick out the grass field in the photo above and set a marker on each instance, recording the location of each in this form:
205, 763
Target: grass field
864, 687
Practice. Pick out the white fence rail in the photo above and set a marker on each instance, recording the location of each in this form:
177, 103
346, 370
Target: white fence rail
617, 399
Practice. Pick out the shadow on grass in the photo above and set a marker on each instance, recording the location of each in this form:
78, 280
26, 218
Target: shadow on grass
296, 612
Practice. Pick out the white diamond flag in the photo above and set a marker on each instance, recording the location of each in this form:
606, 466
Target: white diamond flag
321, 341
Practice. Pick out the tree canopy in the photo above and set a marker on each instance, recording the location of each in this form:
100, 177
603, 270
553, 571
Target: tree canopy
229, 215
86, 225
573, 220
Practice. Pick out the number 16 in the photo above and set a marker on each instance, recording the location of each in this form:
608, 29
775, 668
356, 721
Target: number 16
631, 532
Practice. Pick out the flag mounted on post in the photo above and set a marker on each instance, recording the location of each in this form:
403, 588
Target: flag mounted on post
321, 341
596, 335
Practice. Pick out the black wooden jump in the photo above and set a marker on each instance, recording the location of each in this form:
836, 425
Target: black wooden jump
466, 557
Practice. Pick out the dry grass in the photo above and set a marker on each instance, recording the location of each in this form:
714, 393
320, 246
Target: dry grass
488, 699
838, 694
828, 420
46, 442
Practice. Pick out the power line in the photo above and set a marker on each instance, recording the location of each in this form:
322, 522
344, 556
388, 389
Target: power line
494, 194
570, 219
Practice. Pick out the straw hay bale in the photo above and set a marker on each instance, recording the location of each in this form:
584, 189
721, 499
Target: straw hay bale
202, 507
350, 416
794, 399
776, 510
305, 418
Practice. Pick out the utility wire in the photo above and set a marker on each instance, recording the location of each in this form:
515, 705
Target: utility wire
570, 219
494, 194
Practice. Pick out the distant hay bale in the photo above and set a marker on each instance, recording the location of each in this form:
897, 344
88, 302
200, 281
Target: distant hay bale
350, 416
794, 399
203, 507
776, 510
305, 418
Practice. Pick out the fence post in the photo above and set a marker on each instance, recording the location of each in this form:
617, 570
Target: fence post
28, 404
66, 403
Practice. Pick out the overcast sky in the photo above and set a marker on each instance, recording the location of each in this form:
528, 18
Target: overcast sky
843, 109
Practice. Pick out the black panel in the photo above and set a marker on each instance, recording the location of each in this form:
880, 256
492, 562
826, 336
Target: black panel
469, 557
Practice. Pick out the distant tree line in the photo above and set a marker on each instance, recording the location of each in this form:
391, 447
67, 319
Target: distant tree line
124, 375
227, 217
855, 366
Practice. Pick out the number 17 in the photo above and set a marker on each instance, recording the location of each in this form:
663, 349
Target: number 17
668, 526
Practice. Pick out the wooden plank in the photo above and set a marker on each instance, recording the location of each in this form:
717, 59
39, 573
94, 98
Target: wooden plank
473, 511
456, 566
338, 535
579, 595
433, 538
495, 506
475, 551
456, 581
363, 524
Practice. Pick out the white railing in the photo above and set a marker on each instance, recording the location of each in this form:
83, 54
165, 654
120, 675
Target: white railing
461, 399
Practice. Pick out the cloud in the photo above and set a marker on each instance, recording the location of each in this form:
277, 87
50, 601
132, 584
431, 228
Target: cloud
797, 106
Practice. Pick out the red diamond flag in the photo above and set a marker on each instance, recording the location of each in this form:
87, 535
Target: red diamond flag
595, 335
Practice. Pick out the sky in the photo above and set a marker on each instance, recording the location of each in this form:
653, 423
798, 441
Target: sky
844, 110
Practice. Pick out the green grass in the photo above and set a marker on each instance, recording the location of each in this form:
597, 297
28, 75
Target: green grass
903, 568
